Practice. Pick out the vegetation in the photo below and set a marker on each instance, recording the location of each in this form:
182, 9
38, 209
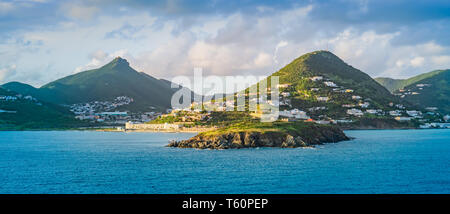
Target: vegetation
293, 128
325, 64
114, 79
436, 93
26, 114
396, 84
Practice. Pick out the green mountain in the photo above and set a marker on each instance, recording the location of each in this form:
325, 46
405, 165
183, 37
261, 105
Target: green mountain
18, 112
106, 83
349, 86
396, 84
427, 90
328, 65
328, 89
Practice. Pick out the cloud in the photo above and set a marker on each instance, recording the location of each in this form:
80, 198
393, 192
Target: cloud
417, 61
6, 7
6, 72
79, 11
279, 45
442, 61
100, 58
128, 31
167, 38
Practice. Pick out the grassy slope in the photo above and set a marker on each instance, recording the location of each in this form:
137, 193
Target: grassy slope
436, 95
328, 65
395, 84
114, 79
30, 115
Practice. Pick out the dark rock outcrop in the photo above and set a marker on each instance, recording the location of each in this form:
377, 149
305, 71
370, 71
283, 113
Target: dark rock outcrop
236, 140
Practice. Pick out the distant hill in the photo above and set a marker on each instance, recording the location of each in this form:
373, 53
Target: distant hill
106, 83
396, 84
431, 89
20, 112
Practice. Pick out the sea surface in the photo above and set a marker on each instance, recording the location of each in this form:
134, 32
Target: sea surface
379, 161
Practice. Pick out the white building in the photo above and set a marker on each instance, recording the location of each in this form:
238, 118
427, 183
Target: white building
401, 119
355, 112
342, 121
447, 117
283, 85
371, 111
348, 105
285, 94
414, 113
330, 84
395, 113
323, 99
316, 78
322, 122
294, 113
399, 106
364, 104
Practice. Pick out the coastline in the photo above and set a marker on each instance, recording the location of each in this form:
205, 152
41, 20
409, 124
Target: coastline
187, 131
147, 130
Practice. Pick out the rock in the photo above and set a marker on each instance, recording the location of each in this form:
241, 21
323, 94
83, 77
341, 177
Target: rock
244, 139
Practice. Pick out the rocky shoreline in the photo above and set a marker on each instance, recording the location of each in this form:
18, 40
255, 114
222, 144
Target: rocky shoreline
245, 139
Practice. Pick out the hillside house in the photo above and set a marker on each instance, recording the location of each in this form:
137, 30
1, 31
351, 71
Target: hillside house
355, 112
330, 84
323, 99
316, 78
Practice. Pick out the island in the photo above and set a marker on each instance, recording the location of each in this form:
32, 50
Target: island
275, 134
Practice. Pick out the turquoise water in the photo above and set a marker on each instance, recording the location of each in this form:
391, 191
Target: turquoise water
387, 161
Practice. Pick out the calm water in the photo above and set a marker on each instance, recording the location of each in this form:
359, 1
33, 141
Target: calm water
388, 161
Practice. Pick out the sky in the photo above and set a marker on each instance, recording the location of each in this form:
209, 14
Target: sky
43, 40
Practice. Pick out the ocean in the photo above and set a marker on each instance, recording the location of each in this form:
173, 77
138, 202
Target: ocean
376, 161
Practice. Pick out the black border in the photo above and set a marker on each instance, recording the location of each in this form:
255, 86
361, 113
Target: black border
173, 202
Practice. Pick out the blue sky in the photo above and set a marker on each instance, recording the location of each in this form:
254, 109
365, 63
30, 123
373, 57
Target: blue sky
43, 40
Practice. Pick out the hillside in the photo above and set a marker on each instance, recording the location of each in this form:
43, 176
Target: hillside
327, 88
331, 67
106, 83
320, 87
429, 90
396, 84
18, 112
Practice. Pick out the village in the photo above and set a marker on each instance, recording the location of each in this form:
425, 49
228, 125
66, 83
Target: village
17, 97
402, 93
359, 108
106, 112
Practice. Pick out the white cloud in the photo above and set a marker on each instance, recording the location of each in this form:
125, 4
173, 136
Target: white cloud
100, 58
235, 44
80, 12
6, 72
441, 61
279, 45
6, 7
417, 61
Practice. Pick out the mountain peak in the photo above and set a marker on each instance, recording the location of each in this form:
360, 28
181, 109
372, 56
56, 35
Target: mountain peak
119, 61
322, 54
